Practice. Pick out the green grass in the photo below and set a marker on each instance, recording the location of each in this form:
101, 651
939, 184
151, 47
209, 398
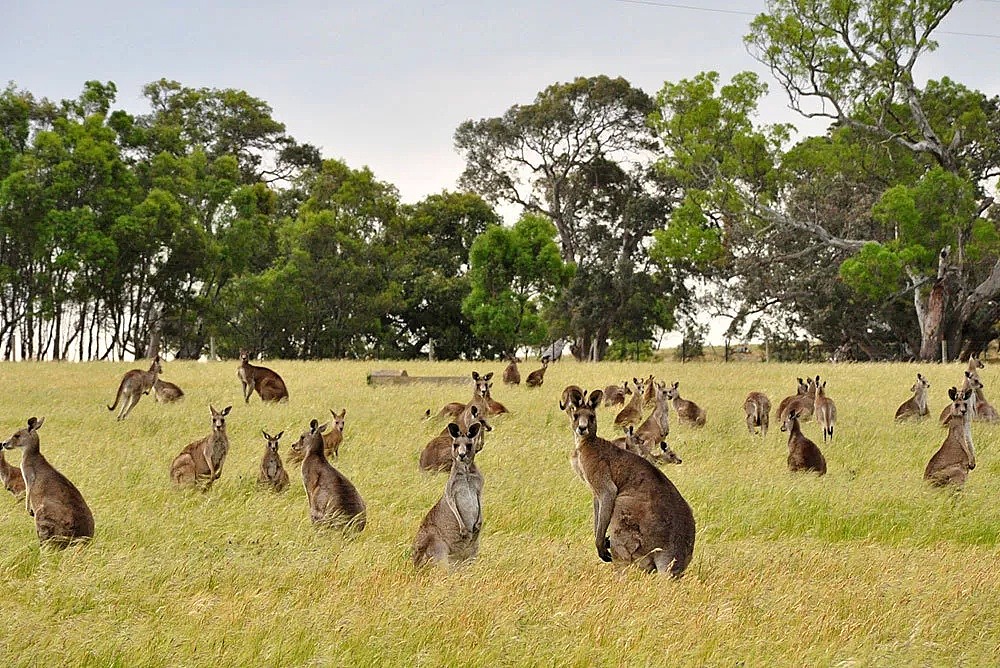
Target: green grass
865, 566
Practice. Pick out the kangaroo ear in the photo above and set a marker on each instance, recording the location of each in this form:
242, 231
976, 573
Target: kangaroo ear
488, 376
34, 424
279, 435
968, 393
212, 408
631, 430
475, 376
595, 398
266, 435
454, 430
312, 426
474, 410
968, 374
952, 393
473, 429
225, 411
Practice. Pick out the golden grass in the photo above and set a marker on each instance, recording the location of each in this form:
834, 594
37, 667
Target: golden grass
866, 566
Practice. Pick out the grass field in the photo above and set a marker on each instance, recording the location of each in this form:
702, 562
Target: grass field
865, 566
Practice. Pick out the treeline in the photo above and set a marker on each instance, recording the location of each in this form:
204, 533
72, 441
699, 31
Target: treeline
203, 220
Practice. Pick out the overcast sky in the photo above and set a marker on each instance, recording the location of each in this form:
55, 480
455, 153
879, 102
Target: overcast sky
385, 83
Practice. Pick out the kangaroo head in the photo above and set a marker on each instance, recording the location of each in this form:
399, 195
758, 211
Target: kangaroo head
219, 418
625, 388
482, 388
572, 396
668, 454
921, 383
972, 378
272, 441
464, 445
976, 363
584, 415
339, 419
673, 392
802, 387
661, 391
24, 437
790, 421
244, 355
959, 401
157, 365
312, 440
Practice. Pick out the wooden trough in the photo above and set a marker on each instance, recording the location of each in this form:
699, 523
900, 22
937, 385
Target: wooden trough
400, 377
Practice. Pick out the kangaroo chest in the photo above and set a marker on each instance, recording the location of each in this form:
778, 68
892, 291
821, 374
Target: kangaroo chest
217, 452
466, 500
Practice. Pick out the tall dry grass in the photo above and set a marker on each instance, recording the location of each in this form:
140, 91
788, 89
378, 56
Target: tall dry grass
865, 566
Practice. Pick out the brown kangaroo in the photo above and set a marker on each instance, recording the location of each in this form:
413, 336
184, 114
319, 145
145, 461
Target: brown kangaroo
640, 518
265, 382
801, 389
61, 514
335, 436
985, 412
135, 383
951, 464
493, 407
200, 462
803, 404
631, 442
537, 377
166, 392
687, 411
803, 454
511, 374
480, 389
825, 410
437, 454
970, 382
333, 500
272, 473
449, 533
11, 477
757, 408
915, 406
632, 412
614, 395
657, 426
571, 395
649, 396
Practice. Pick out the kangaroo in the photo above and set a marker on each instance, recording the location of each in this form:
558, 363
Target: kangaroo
333, 438
629, 441
614, 395
493, 407
481, 388
166, 392
437, 455
649, 396
687, 411
825, 410
265, 382
11, 478
449, 533
758, 411
571, 395
951, 464
632, 412
667, 455
971, 382
272, 473
200, 462
511, 374
801, 389
537, 377
915, 406
803, 404
803, 454
975, 364
640, 518
333, 500
984, 409
657, 425
135, 383
61, 515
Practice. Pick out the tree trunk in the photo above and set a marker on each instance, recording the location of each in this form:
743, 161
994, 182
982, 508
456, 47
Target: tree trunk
931, 316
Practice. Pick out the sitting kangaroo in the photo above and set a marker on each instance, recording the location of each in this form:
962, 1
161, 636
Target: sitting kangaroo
537, 377
272, 474
511, 374
437, 454
449, 533
970, 382
200, 463
61, 514
11, 478
687, 411
803, 454
657, 426
614, 395
632, 412
951, 464
333, 500
135, 383
265, 382
640, 518
916, 406
335, 436
757, 408
480, 392
166, 392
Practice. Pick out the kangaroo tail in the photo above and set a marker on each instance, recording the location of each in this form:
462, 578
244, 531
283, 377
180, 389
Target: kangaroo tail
118, 396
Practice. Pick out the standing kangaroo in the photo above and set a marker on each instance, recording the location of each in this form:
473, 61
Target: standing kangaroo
951, 464
803, 454
757, 408
166, 392
632, 412
537, 377
333, 500
915, 406
687, 411
657, 425
511, 374
825, 410
640, 518
135, 383
200, 462
449, 533
61, 514
266, 383
335, 436
11, 478
272, 473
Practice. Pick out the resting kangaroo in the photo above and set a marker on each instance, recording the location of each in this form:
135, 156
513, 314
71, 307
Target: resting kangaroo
801, 389
687, 411
11, 477
511, 374
825, 410
333, 499
631, 442
61, 514
614, 395
166, 392
537, 377
200, 462
803, 454
266, 383
915, 406
803, 404
480, 389
335, 436
640, 518
449, 533
632, 412
272, 473
758, 412
657, 425
951, 464
135, 383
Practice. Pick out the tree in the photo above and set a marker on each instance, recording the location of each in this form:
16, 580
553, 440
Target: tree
514, 272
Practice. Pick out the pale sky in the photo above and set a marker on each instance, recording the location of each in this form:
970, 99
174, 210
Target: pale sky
385, 83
